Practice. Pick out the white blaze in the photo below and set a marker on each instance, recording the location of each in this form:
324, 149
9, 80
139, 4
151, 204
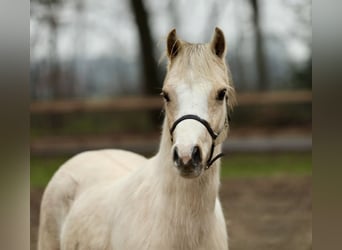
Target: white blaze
192, 99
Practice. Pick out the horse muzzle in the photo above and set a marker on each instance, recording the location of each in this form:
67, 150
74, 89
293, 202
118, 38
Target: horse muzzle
196, 156
189, 164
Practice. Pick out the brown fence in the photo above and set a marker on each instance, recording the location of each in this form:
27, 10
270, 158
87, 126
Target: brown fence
153, 103
50, 145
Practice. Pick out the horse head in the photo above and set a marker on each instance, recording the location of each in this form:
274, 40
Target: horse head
198, 95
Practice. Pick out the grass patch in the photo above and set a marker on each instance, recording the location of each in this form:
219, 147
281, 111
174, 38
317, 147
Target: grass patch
42, 169
91, 123
233, 166
262, 164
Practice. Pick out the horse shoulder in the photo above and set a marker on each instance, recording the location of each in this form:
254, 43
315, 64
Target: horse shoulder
89, 221
98, 213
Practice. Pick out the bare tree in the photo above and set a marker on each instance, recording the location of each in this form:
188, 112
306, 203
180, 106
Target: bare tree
50, 17
214, 15
302, 10
259, 47
151, 82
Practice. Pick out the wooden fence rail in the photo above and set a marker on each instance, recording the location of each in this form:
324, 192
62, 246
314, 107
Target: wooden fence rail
154, 103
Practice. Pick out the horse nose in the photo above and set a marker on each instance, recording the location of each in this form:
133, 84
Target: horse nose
193, 160
180, 161
196, 156
175, 156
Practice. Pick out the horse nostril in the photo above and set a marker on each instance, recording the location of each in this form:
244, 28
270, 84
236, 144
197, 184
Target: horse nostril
176, 156
196, 156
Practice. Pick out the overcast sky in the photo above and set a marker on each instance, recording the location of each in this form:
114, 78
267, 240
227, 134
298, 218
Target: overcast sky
107, 27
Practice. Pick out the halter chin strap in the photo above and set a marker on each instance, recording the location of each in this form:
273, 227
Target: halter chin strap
212, 133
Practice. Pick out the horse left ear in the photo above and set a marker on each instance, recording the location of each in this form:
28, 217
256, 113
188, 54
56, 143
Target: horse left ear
173, 44
218, 43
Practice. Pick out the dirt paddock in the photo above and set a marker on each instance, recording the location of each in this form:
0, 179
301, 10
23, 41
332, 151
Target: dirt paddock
271, 213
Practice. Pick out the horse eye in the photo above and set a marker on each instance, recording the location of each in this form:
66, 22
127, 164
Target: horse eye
165, 96
221, 94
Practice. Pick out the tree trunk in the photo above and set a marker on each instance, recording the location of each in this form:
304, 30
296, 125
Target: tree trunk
151, 83
259, 48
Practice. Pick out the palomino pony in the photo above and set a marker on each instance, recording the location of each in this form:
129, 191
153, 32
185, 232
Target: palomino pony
117, 200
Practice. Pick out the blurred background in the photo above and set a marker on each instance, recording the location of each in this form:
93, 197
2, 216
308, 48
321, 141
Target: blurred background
96, 71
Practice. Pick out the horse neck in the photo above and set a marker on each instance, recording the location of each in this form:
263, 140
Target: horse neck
199, 193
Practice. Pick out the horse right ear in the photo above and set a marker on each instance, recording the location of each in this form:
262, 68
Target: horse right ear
218, 43
173, 44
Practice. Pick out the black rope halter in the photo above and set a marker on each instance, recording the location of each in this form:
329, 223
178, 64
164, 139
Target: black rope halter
212, 133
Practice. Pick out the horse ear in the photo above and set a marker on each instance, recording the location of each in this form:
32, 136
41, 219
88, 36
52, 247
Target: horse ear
173, 44
218, 43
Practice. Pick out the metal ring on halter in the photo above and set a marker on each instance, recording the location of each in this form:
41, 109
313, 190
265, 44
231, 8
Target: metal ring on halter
206, 124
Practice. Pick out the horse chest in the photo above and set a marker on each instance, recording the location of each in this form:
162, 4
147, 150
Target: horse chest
161, 230
184, 231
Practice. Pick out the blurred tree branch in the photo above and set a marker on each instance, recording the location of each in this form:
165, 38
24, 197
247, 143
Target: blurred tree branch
151, 83
214, 15
50, 17
259, 47
302, 12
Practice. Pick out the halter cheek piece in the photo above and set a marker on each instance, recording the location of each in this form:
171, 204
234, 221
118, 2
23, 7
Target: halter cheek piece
213, 135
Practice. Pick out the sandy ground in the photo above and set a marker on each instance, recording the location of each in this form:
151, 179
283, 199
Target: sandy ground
261, 213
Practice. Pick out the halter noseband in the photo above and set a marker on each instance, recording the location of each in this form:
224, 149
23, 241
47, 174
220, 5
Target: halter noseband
212, 133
